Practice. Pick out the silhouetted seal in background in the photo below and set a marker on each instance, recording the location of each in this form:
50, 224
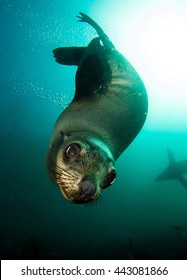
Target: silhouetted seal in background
108, 110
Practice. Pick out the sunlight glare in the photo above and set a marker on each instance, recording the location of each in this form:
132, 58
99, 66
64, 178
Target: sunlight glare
153, 37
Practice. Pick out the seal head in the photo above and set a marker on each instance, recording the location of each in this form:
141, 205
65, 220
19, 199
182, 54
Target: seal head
81, 167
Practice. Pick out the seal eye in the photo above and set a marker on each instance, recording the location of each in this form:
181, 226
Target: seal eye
72, 151
111, 177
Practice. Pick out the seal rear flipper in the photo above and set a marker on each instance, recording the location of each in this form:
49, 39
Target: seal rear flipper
69, 55
182, 180
103, 37
92, 77
94, 72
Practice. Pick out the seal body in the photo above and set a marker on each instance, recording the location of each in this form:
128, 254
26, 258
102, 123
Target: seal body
108, 110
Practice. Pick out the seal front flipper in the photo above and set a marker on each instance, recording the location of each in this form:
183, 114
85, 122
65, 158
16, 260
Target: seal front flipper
69, 55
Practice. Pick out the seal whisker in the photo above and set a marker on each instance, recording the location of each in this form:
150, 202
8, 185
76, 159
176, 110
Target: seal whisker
59, 170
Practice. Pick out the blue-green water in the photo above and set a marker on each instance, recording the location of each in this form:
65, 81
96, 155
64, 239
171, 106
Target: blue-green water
136, 217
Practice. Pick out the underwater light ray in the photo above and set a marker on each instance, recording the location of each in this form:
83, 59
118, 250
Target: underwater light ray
153, 37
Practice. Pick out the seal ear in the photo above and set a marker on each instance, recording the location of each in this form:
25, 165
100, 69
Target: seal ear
64, 135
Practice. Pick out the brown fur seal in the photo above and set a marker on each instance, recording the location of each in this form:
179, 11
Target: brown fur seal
108, 110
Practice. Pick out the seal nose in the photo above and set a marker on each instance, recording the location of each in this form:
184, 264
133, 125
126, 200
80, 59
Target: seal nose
88, 188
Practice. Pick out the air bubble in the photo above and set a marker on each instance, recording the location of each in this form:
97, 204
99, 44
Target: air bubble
32, 88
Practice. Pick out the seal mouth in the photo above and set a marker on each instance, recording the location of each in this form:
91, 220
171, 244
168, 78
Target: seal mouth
88, 188
87, 193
